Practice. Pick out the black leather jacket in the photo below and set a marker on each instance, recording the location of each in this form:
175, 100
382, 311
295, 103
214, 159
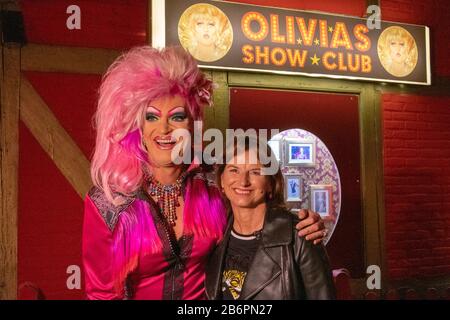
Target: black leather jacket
284, 267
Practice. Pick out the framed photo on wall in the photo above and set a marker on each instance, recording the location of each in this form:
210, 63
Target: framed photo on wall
293, 188
300, 152
321, 199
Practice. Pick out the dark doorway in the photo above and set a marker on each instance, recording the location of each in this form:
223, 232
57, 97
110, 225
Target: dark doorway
334, 118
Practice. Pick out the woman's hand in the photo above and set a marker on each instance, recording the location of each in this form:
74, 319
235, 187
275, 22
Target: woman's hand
311, 225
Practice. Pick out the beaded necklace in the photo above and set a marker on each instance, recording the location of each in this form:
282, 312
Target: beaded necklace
167, 196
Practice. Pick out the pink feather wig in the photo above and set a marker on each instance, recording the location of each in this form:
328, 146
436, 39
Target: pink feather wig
137, 77
130, 84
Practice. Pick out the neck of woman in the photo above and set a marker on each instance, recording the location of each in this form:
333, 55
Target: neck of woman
167, 175
249, 220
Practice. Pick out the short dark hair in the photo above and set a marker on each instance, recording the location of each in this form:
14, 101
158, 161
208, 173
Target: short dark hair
276, 180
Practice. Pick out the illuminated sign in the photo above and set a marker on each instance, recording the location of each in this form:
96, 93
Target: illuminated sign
234, 36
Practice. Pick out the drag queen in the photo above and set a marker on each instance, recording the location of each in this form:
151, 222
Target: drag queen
150, 225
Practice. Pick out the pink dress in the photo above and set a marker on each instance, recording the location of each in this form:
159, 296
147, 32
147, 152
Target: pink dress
175, 271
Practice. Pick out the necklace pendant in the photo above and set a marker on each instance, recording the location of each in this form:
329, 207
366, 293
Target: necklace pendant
167, 197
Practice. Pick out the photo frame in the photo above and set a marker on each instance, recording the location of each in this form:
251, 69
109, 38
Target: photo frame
299, 152
293, 188
321, 198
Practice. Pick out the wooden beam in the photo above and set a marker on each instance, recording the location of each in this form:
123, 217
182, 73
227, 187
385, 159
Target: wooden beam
10, 5
67, 59
221, 107
9, 133
373, 179
58, 144
440, 87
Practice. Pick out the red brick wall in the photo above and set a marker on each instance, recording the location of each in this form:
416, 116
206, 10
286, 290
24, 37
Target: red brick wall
351, 7
417, 185
417, 156
432, 13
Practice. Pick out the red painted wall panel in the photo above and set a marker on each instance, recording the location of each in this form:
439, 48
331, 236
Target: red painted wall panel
49, 222
334, 119
115, 24
73, 103
50, 211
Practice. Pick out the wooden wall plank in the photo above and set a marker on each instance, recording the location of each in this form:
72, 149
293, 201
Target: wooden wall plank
46, 58
58, 144
9, 132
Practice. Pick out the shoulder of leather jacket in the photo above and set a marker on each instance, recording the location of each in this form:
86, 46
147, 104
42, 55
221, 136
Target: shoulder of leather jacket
278, 228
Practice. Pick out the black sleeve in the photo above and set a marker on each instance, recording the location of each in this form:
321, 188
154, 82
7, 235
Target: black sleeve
312, 260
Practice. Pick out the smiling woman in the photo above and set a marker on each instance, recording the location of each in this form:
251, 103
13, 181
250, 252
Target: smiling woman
261, 257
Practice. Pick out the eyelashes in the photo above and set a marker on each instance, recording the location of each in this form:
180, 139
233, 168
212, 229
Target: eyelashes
151, 117
177, 117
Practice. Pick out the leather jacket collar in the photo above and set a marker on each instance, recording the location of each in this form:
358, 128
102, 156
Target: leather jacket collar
277, 231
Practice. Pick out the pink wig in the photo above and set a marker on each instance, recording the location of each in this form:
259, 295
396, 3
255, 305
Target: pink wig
131, 83
135, 79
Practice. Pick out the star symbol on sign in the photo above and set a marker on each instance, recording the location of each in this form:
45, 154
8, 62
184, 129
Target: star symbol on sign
316, 42
315, 60
330, 29
299, 41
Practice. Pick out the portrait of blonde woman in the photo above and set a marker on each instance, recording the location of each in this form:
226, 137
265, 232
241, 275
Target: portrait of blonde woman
205, 31
397, 51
